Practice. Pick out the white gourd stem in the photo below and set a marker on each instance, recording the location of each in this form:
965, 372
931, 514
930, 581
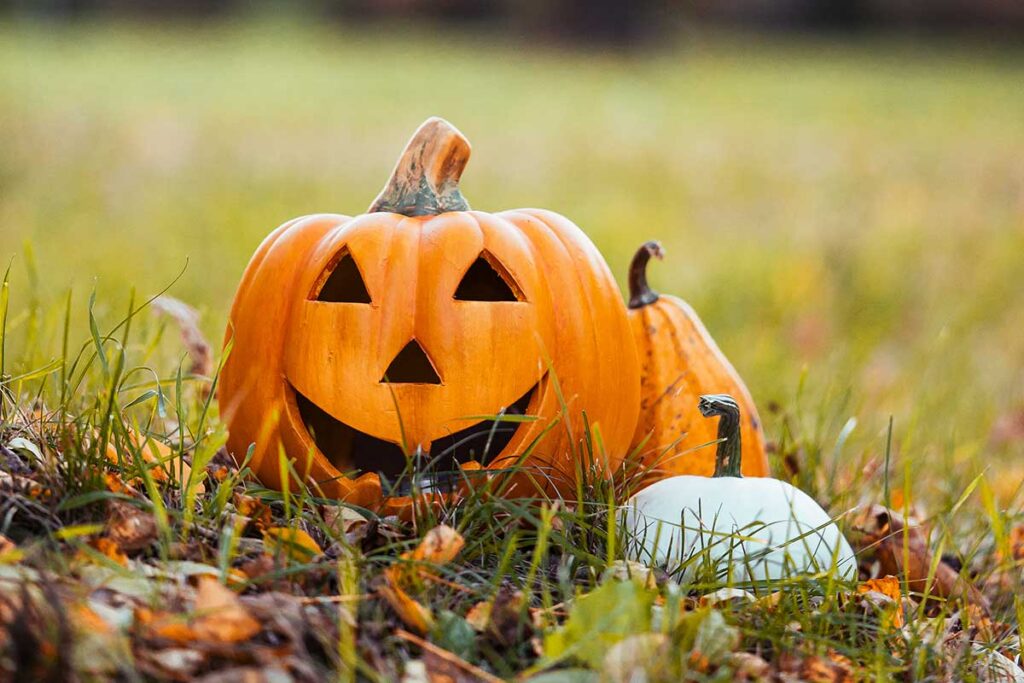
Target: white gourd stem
729, 453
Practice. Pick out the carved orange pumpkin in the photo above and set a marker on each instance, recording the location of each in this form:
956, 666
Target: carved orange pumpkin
360, 343
679, 362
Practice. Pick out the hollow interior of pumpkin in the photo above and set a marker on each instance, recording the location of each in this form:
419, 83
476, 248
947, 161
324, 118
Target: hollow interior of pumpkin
355, 452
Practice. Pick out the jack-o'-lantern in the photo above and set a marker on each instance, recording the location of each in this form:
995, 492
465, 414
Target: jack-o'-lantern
368, 347
679, 362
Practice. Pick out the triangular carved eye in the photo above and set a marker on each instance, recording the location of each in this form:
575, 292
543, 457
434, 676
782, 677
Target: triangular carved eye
342, 282
487, 280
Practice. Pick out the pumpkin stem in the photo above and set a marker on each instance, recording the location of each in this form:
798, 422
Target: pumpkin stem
727, 458
640, 293
425, 181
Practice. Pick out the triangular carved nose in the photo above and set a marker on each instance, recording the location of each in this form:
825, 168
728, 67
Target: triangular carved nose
411, 366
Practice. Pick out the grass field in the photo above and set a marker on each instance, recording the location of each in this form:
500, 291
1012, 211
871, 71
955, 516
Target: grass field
847, 218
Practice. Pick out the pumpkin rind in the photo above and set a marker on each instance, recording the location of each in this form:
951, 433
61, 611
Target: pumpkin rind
567, 323
680, 361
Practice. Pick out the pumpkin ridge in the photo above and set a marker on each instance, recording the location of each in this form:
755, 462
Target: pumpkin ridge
600, 269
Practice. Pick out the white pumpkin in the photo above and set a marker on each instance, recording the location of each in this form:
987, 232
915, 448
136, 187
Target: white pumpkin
734, 528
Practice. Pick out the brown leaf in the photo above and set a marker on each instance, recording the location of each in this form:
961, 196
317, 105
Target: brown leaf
506, 625
445, 666
258, 512
221, 616
259, 566
187, 318
129, 527
342, 519
245, 674
884, 532
747, 667
814, 669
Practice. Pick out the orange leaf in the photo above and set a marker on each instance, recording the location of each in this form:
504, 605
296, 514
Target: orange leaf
479, 615
87, 620
414, 615
221, 616
887, 585
1017, 542
164, 464
440, 546
294, 543
164, 625
111, 550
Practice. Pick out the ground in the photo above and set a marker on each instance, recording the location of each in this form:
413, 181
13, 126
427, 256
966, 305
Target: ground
846, 217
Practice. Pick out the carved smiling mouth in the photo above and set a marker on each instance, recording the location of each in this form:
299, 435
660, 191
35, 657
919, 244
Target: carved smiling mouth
349, 449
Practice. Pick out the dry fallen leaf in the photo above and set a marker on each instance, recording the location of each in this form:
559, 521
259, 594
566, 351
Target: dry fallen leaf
221, 616
444, 666
506, 626
814, 669
108, 548
479, 615
85, 618
883, 596
187, 318
342, 518
163, 463
9, 552
295, 544
116, 484
885, 533
747, 666
887, 585
439, 546
165, 625
218, 617
416, 616
129, 527
251, 507
628, 659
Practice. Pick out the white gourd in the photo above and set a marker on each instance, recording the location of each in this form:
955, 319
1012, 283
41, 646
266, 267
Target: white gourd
746, 529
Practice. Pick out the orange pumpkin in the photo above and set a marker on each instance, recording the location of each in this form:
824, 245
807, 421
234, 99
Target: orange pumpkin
360, 344
679, 362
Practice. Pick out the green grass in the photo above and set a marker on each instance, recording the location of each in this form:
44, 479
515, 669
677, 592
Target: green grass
847, 218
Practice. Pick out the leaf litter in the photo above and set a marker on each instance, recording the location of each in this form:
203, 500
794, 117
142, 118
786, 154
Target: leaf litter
179, 566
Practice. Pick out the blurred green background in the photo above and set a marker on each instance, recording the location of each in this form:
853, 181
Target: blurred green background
846, 212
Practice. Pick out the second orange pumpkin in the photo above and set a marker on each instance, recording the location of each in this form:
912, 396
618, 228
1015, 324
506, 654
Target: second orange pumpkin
679, 361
